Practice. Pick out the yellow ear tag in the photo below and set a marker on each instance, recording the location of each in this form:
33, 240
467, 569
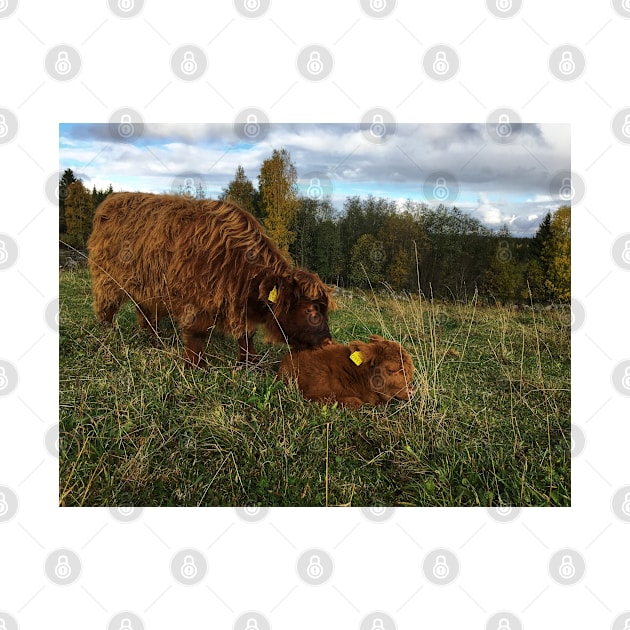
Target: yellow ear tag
356, 358
273, 295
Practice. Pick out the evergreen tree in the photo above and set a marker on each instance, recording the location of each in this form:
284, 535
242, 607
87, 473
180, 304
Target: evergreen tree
537, 266
66, 179
241, 191
79, 208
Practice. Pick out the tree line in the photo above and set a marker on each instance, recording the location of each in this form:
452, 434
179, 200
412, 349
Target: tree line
373, 242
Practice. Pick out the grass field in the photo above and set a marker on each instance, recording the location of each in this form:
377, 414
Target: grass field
489, 425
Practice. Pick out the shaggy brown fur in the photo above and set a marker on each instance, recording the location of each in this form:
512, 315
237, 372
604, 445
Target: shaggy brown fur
329, 373
205, 264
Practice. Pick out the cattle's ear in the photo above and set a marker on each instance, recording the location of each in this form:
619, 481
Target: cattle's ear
270, 289
309, 285
356, 346
374, 338
364, 351
328, 293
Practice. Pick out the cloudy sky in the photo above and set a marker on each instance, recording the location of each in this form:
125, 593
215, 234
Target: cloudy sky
500, 175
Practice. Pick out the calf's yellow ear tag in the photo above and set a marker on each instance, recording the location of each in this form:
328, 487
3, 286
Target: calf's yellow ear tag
356, 358
273, 295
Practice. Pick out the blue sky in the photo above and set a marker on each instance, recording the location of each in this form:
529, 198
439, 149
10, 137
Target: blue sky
462, 164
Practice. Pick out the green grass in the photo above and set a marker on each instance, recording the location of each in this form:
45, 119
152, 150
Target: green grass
489, 426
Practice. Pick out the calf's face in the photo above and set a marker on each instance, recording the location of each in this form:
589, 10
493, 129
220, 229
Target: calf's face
306, 325
298, 311
391, 373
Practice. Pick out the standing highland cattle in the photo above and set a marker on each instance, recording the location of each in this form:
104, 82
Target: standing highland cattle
205, 264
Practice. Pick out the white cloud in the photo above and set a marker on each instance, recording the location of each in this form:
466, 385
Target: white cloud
498, 184
490, 215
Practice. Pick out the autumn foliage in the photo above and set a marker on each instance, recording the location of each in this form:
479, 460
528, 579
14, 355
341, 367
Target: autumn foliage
377, 243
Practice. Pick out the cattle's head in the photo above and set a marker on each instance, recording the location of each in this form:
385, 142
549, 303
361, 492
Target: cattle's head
391, 368
298, 304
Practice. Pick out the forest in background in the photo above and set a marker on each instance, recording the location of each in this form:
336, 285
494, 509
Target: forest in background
373, 242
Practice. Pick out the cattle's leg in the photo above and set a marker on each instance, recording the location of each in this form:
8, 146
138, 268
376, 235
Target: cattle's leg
105, 311
143, 316
246, 351
350, 401
195, 342
107, 300
148, 322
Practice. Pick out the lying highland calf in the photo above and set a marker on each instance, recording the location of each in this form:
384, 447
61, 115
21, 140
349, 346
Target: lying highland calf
355, 374
204, 264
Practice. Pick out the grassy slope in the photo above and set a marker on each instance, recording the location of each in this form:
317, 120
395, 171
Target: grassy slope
490, 424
